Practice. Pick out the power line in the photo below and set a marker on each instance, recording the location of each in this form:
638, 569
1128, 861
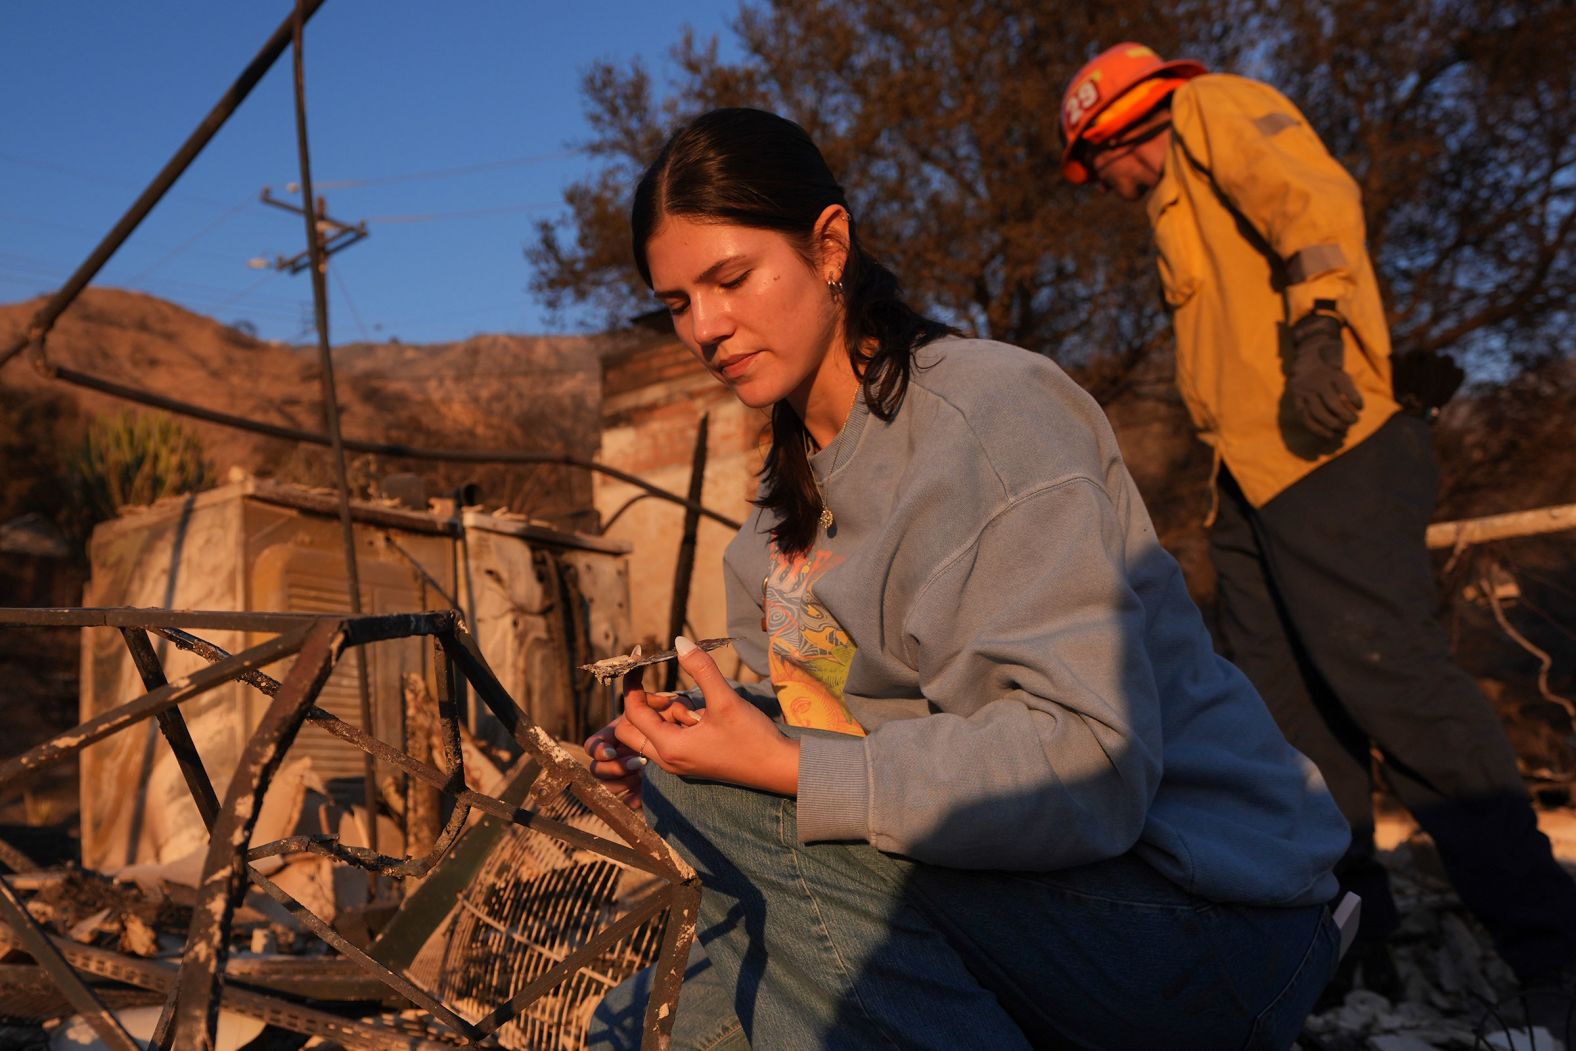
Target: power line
193, 239
445, 173
62, 228
470, 213
333, 235
44, 224
243, 293
450, 315
119, 184
344, 290
168, 288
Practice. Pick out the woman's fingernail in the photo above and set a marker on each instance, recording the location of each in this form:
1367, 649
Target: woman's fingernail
682, 646
695, 715
609, 753
634, 762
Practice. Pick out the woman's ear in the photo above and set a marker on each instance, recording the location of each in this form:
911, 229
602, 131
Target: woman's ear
831, 242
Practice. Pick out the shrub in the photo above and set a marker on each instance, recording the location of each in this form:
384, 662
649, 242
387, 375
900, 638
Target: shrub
133, 458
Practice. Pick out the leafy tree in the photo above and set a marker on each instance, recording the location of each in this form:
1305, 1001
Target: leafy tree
1458, 119
940, 116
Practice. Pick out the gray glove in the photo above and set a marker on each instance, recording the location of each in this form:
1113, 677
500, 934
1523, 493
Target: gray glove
1323, 395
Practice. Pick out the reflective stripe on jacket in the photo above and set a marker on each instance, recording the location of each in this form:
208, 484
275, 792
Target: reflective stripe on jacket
1253, 222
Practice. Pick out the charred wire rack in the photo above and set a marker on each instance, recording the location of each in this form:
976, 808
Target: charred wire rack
562, 815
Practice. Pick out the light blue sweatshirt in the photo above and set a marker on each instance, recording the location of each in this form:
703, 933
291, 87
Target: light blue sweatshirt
1039, 689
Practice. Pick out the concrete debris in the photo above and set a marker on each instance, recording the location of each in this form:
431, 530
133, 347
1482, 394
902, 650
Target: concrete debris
91, 909
1455, 993
1401, 1042
33, 534
75, 1034
298, 804
1536, 1038
84, 930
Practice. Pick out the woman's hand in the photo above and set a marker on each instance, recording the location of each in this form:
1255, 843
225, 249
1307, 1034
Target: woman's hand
729, 740
618, 766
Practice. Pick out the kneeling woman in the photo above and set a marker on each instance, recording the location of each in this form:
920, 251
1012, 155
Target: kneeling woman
1002, 792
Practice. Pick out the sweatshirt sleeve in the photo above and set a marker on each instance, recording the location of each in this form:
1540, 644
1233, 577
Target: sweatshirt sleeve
1277, 173
1044, 747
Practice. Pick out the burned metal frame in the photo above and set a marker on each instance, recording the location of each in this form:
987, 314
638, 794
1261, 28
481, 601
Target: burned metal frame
317, 642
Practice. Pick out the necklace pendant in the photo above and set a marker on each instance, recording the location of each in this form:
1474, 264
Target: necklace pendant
826, 517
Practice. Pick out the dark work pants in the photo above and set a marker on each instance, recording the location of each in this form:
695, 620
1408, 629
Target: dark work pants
1327, 603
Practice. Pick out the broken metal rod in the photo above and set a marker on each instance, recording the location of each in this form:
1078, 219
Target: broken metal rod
174, 726
68, 744
443, 782
160, 977
611, 669
391, 978
35, 940
224, 868
463, 650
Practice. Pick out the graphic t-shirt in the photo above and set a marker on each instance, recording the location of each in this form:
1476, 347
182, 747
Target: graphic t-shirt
808, 651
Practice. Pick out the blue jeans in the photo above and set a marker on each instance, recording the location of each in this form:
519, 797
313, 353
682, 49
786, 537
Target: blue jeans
837, 945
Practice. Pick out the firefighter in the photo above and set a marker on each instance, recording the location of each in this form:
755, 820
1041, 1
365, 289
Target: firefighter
1325, 481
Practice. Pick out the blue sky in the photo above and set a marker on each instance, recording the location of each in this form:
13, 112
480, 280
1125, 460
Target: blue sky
449, 128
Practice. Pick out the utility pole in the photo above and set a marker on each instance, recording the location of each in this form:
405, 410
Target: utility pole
332, 235
325, 237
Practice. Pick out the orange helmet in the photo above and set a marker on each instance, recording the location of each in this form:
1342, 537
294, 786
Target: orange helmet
1130, 74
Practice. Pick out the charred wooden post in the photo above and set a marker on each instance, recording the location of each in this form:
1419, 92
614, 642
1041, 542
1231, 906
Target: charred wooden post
422, 800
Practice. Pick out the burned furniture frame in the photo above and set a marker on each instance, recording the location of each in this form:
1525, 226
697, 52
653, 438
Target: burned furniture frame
317, 642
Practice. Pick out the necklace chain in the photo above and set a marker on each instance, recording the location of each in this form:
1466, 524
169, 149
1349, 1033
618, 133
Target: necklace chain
826, 520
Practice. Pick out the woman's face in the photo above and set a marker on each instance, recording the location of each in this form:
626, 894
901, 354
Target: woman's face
747, 303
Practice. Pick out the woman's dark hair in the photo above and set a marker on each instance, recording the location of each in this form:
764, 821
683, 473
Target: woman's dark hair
756, 169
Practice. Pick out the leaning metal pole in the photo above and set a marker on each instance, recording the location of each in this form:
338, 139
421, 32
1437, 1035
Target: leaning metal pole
45, 319
325, 358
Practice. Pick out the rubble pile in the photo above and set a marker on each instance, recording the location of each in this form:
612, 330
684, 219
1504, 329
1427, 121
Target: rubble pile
91, 909
1449, 990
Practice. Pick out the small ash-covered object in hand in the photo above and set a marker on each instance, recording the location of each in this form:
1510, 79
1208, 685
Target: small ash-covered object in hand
612, 669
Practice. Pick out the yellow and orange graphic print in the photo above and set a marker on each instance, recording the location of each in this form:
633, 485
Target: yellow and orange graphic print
808, 651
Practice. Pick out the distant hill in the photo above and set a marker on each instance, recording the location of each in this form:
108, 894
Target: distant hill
522, 393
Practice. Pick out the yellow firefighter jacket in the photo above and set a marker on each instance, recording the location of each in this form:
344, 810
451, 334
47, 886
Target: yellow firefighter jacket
1254, 221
